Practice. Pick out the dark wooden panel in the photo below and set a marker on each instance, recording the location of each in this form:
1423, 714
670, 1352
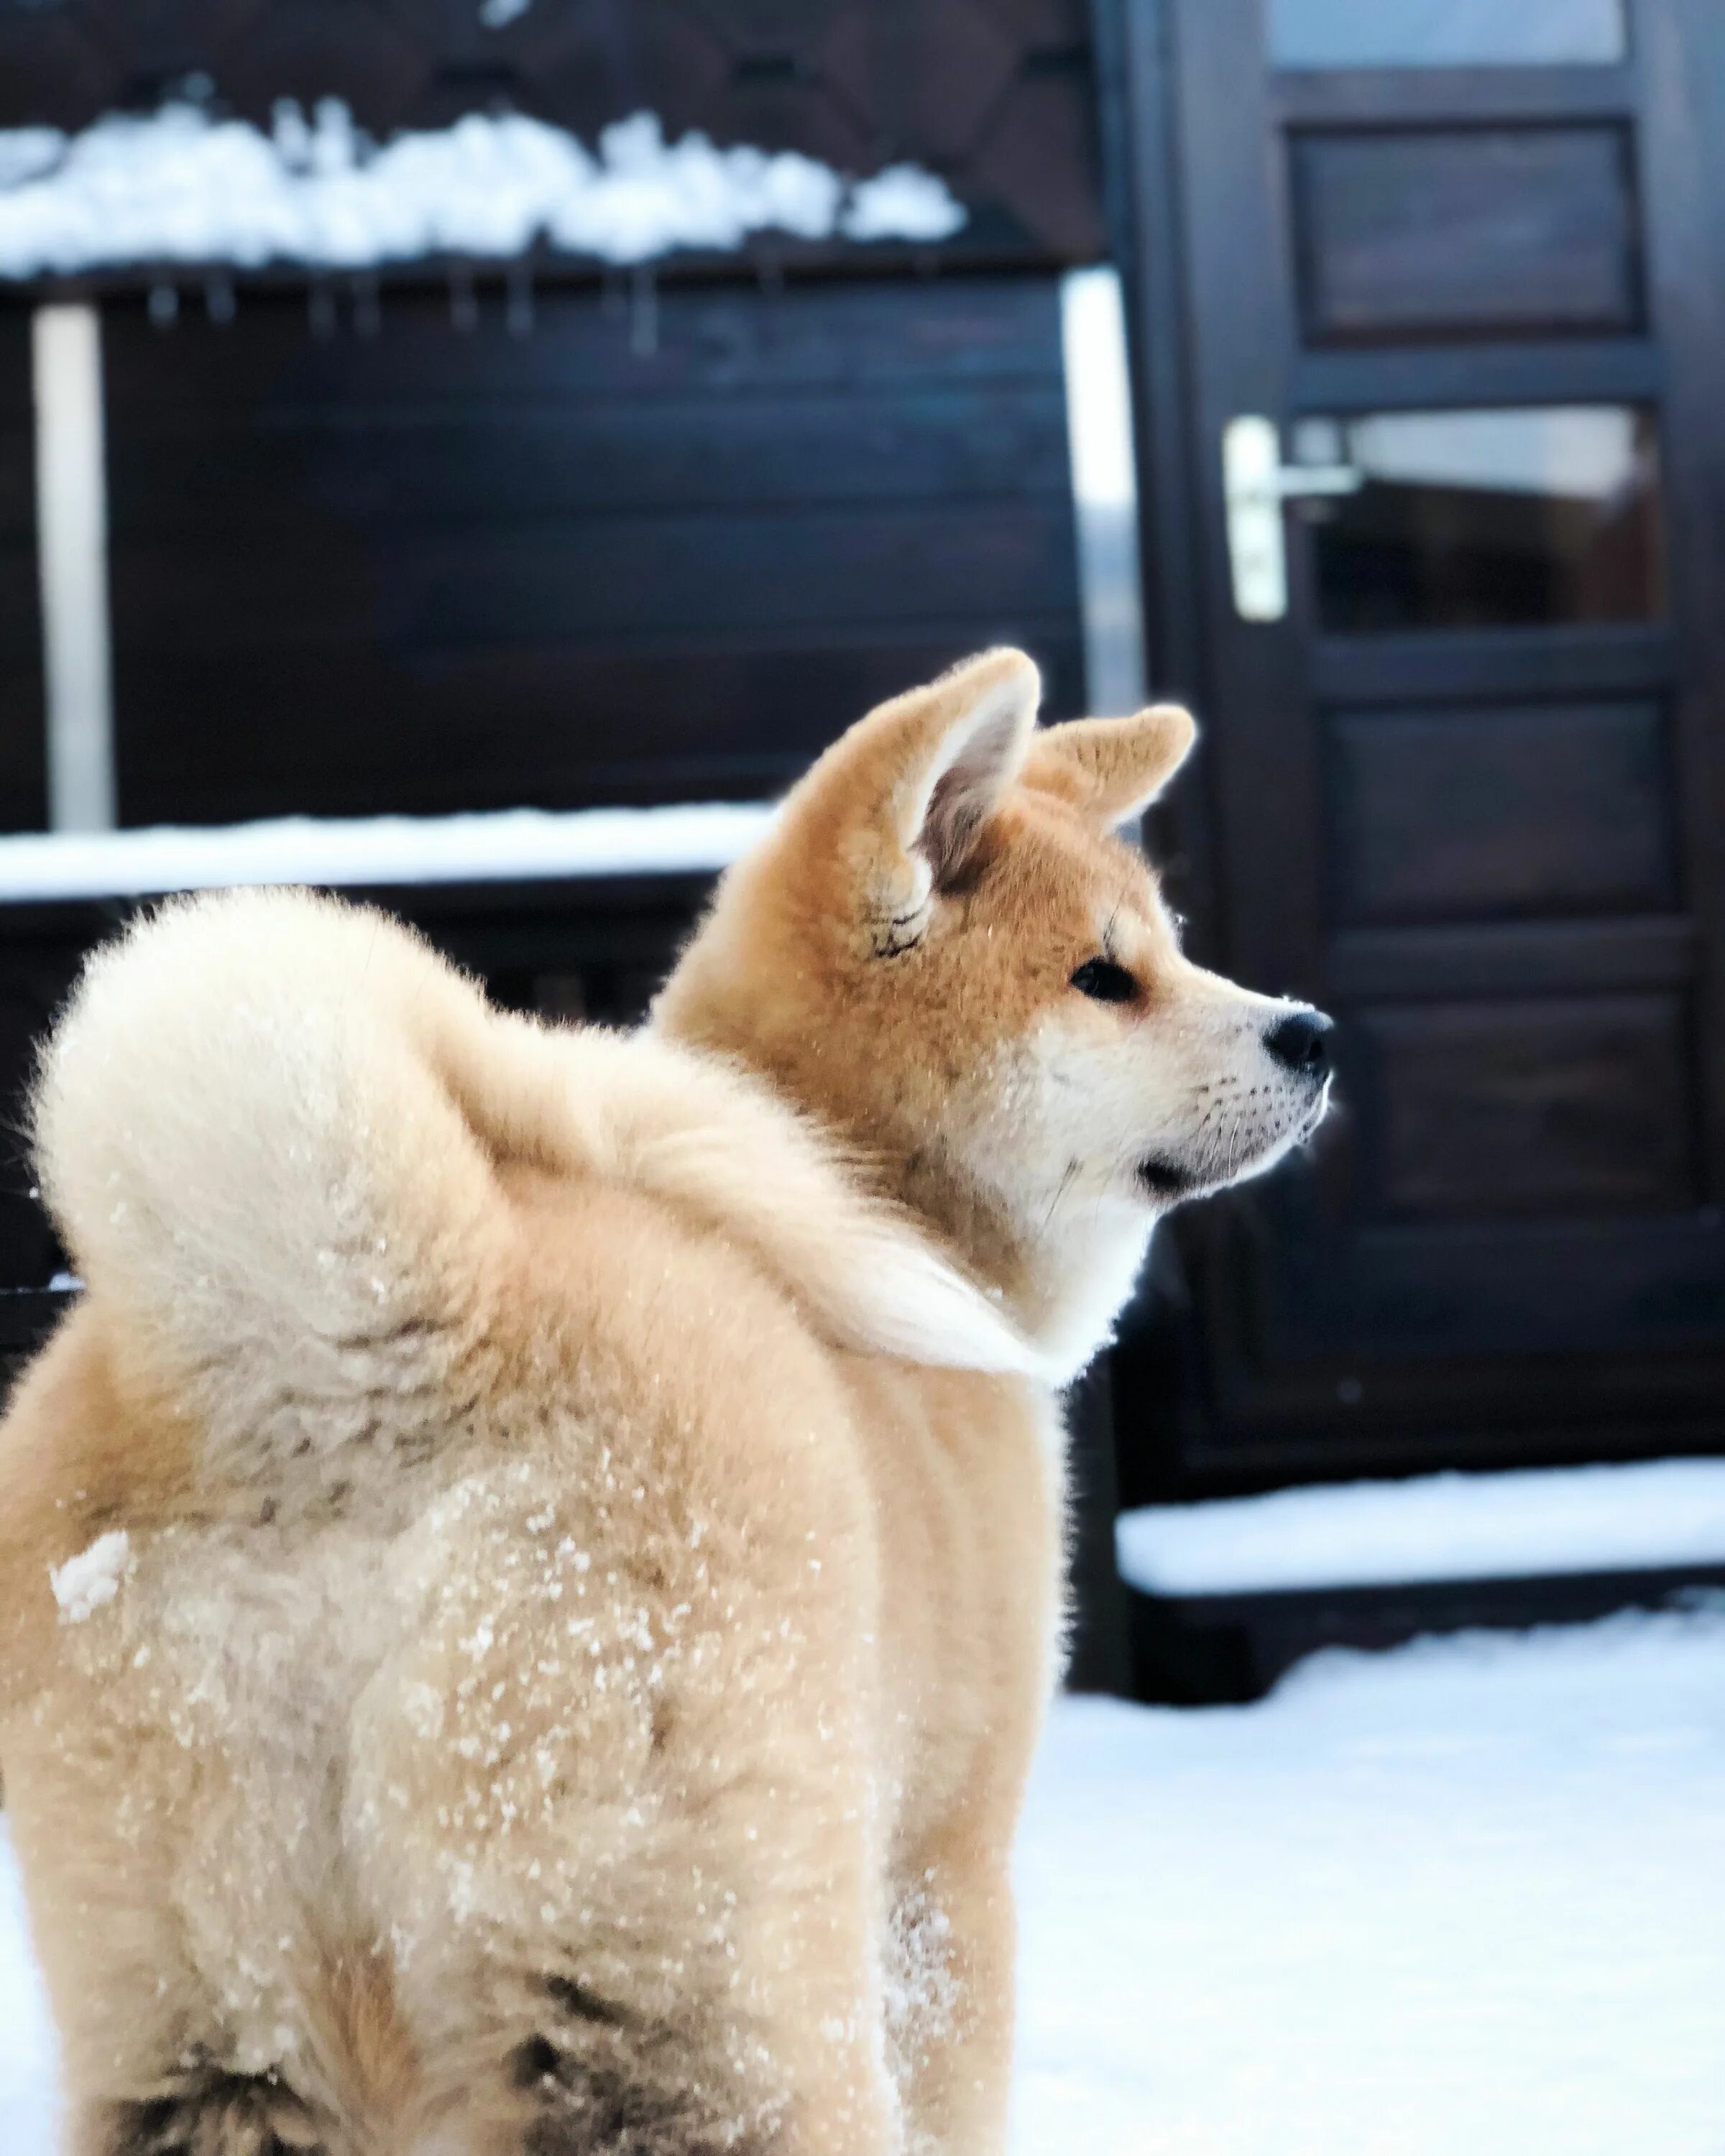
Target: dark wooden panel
778, 447
1396, 1347
1441, 815
23, 749
24, 772
1580, 370
1452, 232
1510, 958
1623, 1284
732, 574
1454, 96
211, 736
270, 364
430, 571
17, 445
34, 976
1501, 1109
1597, 658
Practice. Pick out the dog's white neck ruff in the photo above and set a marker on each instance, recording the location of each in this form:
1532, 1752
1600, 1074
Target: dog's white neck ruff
1081, 1277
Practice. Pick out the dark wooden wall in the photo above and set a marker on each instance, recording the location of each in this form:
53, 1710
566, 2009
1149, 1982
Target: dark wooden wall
428, 569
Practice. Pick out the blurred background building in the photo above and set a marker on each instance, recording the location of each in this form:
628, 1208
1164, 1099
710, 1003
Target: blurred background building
1420, 499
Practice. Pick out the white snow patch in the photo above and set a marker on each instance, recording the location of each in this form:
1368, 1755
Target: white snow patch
1546, 1520
511, 845
84, 1582
1463, 1896
902, 203
28, 152
30, 2055
179, 185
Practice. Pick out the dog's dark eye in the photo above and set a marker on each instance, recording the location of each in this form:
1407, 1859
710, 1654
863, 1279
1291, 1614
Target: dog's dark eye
1105, 982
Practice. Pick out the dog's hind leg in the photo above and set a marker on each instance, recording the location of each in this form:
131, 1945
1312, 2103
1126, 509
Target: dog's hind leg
202, 2112
789, 2060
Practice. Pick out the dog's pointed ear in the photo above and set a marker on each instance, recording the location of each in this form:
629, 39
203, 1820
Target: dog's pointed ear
960, 743
1112, 769
904, 795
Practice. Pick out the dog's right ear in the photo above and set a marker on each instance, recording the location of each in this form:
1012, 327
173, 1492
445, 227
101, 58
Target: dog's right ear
902, 797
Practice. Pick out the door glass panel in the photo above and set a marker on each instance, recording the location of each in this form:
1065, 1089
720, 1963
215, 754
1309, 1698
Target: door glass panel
1483, 520
1353, 33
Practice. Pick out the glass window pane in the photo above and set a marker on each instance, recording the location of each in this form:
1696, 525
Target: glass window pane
1476, 520
1352, 33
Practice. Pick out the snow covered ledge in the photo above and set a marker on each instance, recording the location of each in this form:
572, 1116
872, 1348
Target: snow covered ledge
508, 846
1652, 1516
183, 186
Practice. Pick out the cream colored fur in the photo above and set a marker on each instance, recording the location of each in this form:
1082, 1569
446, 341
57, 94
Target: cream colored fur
267, 1126
583, 1513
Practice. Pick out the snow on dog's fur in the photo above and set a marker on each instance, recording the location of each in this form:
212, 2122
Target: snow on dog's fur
591, 1505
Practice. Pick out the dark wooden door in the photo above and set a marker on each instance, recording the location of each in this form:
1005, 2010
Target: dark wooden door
1458, 629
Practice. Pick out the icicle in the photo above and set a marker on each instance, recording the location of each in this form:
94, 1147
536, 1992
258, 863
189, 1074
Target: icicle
518, 306
218, 300
367, 306
164, 304
463, 301
643, 314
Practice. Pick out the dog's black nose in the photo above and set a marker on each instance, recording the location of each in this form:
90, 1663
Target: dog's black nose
1301, 1043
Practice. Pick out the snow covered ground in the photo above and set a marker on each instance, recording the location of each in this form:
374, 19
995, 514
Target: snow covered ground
1466, 1898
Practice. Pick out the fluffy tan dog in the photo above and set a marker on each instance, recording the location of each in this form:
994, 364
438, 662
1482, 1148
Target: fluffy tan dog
531, 1577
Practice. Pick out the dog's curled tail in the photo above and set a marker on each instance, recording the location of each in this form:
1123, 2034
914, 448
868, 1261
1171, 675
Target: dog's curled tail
267, 1127
242, 1135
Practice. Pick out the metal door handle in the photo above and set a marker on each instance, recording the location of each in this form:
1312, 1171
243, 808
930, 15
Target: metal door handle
1255, 483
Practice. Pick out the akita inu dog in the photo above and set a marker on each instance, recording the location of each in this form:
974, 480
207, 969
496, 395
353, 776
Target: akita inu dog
531, 1577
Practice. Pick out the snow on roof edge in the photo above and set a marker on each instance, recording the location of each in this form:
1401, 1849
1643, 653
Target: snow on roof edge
509, 845
1530, 1523
180, 185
